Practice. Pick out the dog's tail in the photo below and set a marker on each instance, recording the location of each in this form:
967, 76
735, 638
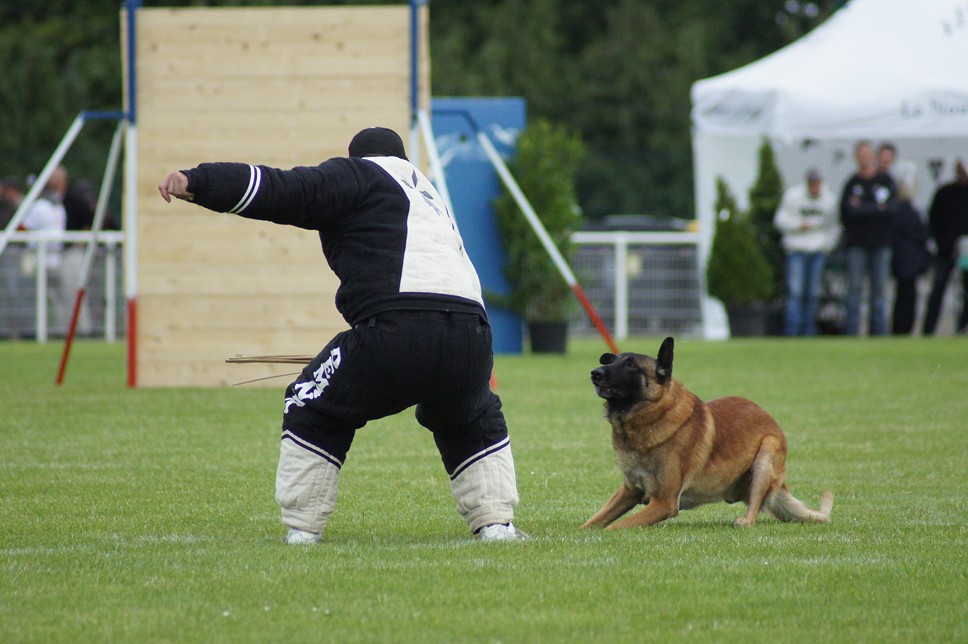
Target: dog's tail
785, 507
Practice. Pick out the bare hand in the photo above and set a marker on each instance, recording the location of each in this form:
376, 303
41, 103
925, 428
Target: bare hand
175, 185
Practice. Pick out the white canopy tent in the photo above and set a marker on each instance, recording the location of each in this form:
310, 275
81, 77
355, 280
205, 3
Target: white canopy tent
884, 70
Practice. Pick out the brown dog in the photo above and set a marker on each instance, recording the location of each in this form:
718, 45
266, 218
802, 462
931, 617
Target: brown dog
677, 452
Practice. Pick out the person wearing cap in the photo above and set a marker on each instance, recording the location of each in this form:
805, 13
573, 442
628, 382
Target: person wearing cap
418, 335
807, 220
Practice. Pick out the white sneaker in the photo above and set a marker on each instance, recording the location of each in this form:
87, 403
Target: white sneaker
502, 532
297, 537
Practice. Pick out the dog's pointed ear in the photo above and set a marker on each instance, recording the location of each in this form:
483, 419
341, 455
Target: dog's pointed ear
663, 368
607, 358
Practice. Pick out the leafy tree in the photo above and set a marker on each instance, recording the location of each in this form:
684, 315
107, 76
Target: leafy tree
59, 59
618, 72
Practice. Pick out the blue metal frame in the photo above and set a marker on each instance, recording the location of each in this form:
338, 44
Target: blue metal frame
132, 12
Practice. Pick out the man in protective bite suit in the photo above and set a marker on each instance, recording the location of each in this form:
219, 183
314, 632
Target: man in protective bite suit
418, 333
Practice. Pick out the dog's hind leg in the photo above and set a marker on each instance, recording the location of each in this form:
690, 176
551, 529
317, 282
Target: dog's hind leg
624, 499
764, 478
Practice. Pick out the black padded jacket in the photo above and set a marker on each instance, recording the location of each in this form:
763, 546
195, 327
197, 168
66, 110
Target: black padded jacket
384, 229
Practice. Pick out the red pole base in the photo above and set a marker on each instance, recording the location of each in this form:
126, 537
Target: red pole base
597, 321
132, 342
69, 341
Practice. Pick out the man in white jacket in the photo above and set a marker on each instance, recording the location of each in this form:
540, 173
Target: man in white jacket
808, 219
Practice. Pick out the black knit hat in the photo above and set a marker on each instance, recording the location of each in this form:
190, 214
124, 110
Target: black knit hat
377, 141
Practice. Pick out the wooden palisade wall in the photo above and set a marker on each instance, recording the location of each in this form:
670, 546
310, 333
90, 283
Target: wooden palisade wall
276, 86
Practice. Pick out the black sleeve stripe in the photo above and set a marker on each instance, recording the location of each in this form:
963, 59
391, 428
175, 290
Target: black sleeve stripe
255, 180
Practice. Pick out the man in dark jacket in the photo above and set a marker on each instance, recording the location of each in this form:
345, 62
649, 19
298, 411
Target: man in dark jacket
419, 333
865, 211
948, 220
909, 257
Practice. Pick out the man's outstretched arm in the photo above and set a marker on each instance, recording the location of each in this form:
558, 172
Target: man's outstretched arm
302, 197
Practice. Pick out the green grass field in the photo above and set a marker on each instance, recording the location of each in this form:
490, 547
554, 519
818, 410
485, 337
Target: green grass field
148, 515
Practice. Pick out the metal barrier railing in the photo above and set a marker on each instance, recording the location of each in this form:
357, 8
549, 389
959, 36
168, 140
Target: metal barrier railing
644, 283
27, 284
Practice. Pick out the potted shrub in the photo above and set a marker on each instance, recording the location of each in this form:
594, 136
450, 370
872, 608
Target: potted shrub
765, 197
545, 163
737, 273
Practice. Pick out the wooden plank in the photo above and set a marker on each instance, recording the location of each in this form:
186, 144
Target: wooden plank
274, 139
230, 313
216, 373
198, 235
211, 345
249, 280
261, 41
273, 126
280, 92
188, 338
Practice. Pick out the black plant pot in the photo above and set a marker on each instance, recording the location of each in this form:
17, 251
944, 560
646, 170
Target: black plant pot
548, 337
748, 320
775, 315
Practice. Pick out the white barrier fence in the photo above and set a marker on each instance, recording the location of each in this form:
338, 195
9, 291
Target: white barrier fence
641, 283
36, 301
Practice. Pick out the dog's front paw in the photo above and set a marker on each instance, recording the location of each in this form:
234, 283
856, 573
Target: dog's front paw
743, 522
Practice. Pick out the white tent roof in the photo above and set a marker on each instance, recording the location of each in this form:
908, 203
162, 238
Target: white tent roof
875, 68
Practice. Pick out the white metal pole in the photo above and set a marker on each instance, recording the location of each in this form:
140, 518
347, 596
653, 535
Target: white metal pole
413, 147
512, 185
110, 293
41, 182
91, 248
621, 287
41, 290
131, 247
102, 204
131, 191
549, 245
436, 167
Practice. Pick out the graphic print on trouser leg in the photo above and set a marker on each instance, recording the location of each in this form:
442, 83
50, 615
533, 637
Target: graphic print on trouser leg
314, 444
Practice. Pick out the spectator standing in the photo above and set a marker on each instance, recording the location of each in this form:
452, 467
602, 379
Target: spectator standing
909, 257
13, 323
948, 220
866, 208
48, 214
808, 221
